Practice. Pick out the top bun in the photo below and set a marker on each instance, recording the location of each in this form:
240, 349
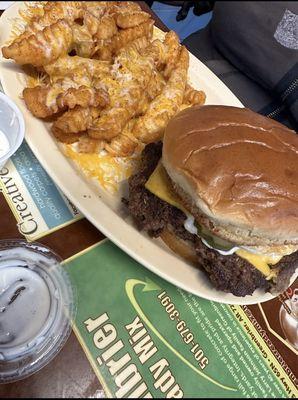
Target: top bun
236, 172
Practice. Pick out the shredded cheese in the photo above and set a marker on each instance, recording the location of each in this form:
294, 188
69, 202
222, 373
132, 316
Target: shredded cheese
106, 170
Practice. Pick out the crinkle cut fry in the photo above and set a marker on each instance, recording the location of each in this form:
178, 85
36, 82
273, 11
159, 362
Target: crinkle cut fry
156, 85
157, 51
67, 138
110, 124
101, 24
84, 97
106, 28
108, 9
172, 46
83, 43
93, 28
150, 127
96, 8
128, 35
76, 120
122, 146
101, 28
117, 7
127, 20
125, 144
107, 48
129, 93
53, 11
85, 106
88, 145
103, 52
41, 48
67, 66
165, 54
37, 99
193, 96
140, 44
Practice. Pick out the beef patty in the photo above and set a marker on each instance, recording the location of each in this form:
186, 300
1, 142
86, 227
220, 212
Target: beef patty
231, 273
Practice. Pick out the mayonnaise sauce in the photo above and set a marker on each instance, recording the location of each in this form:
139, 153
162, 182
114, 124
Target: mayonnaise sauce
189, 225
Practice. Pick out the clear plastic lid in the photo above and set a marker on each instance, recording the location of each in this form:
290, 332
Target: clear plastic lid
37, 307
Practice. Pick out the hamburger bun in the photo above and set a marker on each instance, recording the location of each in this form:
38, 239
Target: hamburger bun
236, 172
183, 248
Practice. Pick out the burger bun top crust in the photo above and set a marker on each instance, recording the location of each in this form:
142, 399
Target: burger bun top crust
238, 170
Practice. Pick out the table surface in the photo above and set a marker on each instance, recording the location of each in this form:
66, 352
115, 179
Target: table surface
69, 374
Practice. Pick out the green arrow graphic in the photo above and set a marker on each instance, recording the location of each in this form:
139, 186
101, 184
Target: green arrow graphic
150, 286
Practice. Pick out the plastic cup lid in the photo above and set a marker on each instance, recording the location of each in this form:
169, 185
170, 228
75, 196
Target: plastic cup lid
37, 307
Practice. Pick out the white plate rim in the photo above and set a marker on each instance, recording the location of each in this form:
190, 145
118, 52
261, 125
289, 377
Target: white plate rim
83, 194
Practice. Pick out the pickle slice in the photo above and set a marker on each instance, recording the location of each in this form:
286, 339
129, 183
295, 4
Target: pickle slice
213, 241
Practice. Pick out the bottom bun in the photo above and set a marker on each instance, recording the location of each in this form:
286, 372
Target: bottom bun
179, 246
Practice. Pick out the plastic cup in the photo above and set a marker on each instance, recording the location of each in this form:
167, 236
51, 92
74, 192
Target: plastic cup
37, 307
12, 126
5, 4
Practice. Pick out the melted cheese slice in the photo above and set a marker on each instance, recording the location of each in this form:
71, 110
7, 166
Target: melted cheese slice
261, 262
158, 184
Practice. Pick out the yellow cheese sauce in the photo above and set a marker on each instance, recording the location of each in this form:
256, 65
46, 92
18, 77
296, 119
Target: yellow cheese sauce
158, 184
261, 262
105, 169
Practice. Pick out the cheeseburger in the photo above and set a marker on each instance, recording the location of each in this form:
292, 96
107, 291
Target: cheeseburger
222, 191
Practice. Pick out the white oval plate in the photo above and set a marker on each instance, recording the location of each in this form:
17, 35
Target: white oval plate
104, 209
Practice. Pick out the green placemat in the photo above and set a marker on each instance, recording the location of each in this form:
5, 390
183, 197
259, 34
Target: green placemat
146, 338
